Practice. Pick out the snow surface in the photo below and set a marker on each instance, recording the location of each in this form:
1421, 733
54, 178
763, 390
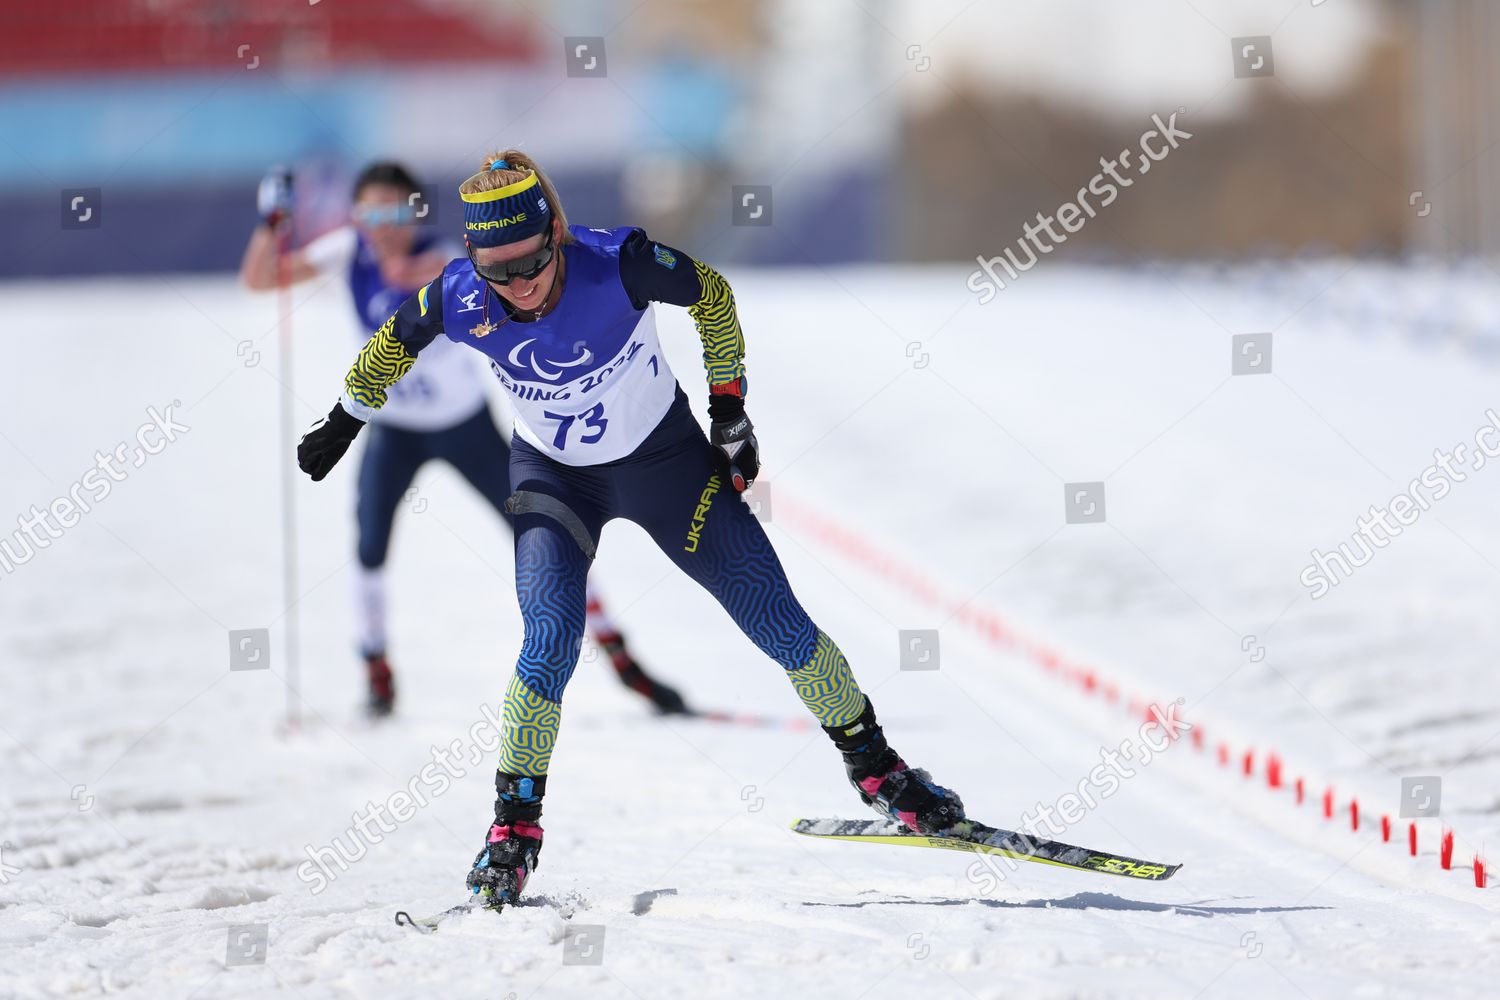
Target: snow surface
151, 807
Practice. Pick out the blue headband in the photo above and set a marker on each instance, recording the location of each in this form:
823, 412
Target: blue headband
506, 215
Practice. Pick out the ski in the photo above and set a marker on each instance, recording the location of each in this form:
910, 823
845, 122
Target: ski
428, 925
980, 839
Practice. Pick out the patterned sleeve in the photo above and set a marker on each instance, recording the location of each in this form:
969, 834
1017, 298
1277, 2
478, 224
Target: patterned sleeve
655, 272
392, 350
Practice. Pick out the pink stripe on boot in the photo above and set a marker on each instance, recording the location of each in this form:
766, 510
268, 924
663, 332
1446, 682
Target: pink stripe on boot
499, 833
871, 785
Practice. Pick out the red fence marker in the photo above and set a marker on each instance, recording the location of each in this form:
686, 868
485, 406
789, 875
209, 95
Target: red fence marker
995, 629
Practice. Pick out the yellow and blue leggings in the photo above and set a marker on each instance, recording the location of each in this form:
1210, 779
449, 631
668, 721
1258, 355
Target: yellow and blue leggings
670, 487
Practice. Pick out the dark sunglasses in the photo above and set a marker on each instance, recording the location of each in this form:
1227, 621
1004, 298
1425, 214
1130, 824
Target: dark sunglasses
525, 268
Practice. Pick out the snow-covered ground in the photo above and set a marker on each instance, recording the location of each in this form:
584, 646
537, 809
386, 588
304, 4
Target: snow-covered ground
155, 816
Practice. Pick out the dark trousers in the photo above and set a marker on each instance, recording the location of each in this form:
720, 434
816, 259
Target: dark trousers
671, 487
392, 457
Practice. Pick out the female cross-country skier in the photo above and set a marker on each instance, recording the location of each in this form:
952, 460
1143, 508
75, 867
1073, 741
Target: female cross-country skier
603, 430
438, 411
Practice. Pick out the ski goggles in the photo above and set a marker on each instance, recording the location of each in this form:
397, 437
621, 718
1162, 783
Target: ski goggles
383, 215
524, 268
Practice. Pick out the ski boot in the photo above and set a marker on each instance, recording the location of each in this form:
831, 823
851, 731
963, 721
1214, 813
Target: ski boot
665, 698
382, 697
887, 785
513, 842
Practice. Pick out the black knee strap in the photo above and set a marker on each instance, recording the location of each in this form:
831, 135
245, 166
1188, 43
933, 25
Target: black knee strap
529, 502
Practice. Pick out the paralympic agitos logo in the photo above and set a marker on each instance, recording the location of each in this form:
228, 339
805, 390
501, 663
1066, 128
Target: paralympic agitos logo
524, 355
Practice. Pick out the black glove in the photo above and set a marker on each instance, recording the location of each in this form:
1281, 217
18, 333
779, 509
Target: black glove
326, 441
731, 431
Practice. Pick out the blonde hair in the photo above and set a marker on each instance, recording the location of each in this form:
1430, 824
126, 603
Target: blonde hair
518, 166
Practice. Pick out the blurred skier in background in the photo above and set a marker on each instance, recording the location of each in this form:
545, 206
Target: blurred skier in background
439, 411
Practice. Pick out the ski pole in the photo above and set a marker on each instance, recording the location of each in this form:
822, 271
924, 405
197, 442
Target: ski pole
290, 593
